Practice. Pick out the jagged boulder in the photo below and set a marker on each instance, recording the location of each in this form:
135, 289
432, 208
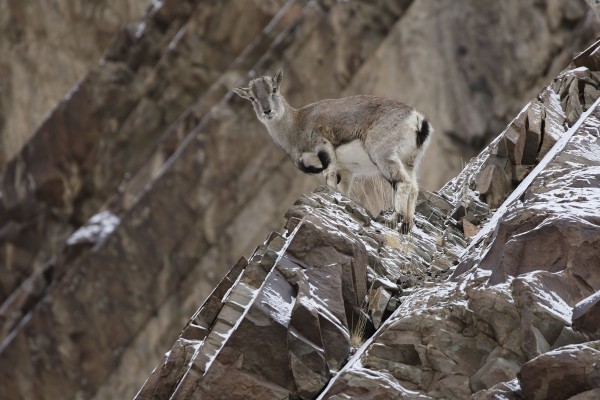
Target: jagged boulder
499, 327
562, 373
302, 302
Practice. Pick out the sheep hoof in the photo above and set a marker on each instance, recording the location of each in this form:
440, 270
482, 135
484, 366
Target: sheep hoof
405, 228
392, 221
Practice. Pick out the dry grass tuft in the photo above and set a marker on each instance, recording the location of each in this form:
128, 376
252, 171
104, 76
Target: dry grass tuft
374, 192
357, 333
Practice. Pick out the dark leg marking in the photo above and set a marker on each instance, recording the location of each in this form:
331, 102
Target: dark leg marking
404, 228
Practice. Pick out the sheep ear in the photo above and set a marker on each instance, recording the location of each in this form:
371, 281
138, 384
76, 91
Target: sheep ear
242, 92
277, 78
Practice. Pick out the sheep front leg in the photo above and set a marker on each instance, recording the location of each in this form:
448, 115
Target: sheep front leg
405, 188
331, 177
327, 153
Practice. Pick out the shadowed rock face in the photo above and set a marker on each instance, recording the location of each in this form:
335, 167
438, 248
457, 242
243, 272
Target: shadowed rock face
132, 197
515, 319
45, 48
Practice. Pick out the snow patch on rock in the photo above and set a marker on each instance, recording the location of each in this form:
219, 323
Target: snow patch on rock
98, 228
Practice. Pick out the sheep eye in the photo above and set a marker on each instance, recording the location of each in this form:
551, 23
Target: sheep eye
251, 98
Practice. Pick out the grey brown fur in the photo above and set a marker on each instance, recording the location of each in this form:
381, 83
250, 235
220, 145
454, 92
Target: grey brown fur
348, 137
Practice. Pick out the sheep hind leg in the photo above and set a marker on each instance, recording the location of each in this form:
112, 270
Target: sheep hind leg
405, 192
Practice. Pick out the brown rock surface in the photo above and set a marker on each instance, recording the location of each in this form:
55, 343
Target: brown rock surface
45, 48
302, 300
499, 328
562, 373
63, 177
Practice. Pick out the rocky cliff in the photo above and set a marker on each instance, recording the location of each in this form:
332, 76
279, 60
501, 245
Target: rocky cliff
494, 295
45, 48
133, 196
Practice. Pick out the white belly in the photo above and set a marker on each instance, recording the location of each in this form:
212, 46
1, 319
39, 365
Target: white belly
353, 158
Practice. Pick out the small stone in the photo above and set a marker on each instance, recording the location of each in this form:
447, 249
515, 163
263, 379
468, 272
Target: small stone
292, 223
275, 241
458, 212
386, 284
495, 180
495, 370
483, 180
476, 211
571, 103
360, 214
554, 120
590, 95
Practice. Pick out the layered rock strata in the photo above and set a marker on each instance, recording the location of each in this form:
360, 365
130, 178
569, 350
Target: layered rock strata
287, 323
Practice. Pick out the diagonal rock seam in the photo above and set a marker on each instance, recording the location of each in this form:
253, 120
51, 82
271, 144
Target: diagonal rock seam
524, 185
